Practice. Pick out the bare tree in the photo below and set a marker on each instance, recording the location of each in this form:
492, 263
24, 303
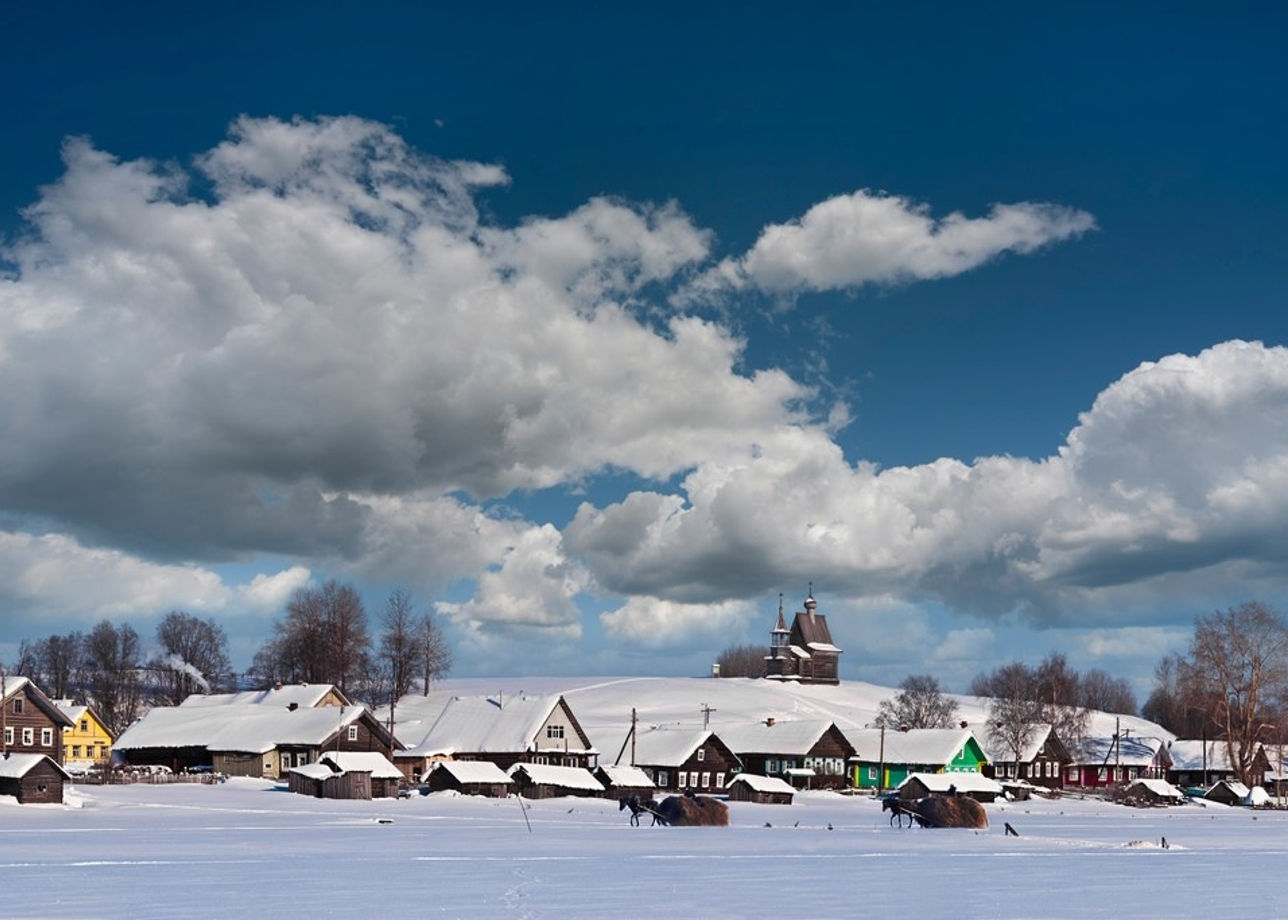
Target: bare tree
192, 656
113, 683
1058, 688
1238, 662
399, 655
53, 663
322, 639
1101, 691
920, 703
435, 654
743, 661
1014, 713
1175, 703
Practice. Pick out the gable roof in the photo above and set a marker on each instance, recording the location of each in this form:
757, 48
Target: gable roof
372, 762
999, 751
473, 771
16, 766
76, 712
790, 737
302, 695
245, 728
763, 783
544, 774
1188, 755
483, 725
809, 629
1129, 752
670, 747
929, 746
1159, 787
962, 782
23, 685
625, 775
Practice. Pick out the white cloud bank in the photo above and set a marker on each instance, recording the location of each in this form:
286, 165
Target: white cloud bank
333, 359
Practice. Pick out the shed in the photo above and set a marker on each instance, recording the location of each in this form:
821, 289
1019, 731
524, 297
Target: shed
767, 790
471, 777
973, 785
324, 780
546, 781
1228, 792
1152, 792
385, 777
33, 779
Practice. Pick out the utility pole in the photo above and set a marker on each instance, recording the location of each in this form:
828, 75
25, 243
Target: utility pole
706, 716
881, 765
4, 733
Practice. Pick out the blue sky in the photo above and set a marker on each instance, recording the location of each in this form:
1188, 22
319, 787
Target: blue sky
599, 329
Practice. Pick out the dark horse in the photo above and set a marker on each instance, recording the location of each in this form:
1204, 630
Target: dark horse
898, 811
638, 805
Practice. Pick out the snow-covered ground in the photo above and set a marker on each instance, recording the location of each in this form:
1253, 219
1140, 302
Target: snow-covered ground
245, 848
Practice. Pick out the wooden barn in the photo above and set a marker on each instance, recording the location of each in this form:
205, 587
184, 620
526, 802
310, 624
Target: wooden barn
327, 781
1151, 791
33, 779
546, 781
621, 781
1202, 763
976, 786
767, 790
471, 777
686, 759
386, 779
1228, 792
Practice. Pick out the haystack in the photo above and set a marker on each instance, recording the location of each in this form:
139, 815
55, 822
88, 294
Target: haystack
686, 811
950, 811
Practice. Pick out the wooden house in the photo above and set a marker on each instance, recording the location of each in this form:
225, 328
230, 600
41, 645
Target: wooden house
324, 780
814, 753
87, 740
621, 780
767, 790
679, 760
470, 777
502, 730
386, 779
1228, 792
884, 759
804, 653
249, 739
1041, 762
972, 785
33, 779
1202, 763
547, 781
1101, 762
33, 724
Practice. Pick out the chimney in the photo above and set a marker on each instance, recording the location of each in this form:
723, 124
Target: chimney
770, 722
964, 723
293, 707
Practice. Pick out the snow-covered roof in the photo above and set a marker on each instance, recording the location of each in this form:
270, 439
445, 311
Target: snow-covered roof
999, 750
71, 709
786, 737
800, 652
485, 725
372, 762
763, 783
15, 685
545, 774
473, 771
1188, 755
303, 695
626, 775
668, 747
1129, 752
915, 746
314, 770
248, 728
963, 782
1160, 787
1237, 789
823, 647
16, 766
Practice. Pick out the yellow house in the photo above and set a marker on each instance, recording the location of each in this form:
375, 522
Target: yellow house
88, 740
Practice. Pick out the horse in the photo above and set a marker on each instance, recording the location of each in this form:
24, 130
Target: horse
637, 805
898, 811
937, 811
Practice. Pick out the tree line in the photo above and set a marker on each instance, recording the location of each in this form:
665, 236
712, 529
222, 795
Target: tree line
323, 637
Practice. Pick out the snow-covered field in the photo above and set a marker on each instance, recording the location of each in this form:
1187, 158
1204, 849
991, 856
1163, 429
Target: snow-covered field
246, 848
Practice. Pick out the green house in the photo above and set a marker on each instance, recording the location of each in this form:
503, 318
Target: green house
883, 759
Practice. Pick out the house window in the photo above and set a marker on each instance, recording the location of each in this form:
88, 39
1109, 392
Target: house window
76, 750
702, 754
662, 778
353, 733
8, 734
84, 725
706, 780
1100, 774
771, 765
29, 736
872, 774
720, 780
554, 731
682, 779
17, 706
46, 737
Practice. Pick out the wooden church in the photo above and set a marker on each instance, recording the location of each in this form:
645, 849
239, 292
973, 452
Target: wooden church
805, 652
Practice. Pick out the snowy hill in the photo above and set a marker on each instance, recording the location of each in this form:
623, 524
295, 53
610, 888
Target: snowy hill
603, 705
